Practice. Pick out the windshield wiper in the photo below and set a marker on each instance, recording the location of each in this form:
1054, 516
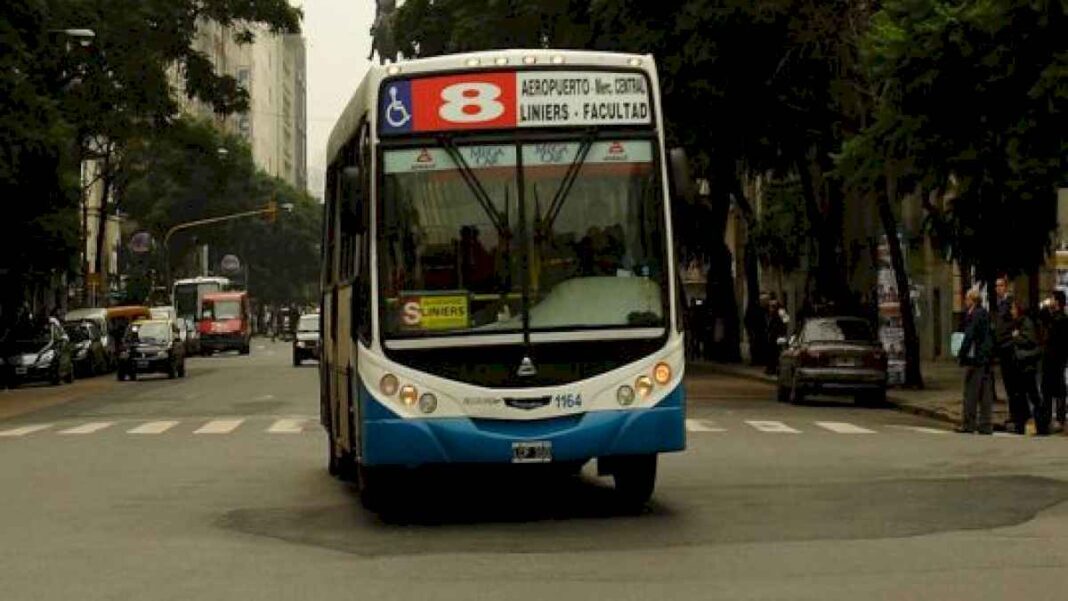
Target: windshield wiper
475, 185
545, 225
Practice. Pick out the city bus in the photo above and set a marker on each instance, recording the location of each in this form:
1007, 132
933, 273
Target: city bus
498, 282
187, 296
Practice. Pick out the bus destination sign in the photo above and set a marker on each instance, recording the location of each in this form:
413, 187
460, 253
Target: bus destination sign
498, 100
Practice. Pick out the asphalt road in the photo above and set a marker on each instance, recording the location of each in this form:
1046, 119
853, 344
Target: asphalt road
214, 487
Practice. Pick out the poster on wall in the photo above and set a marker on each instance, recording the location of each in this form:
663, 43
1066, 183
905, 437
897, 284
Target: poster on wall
891, 331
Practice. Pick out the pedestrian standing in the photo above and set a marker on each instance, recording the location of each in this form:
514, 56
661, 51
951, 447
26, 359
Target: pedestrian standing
1055, 358
776, 329
1026, 354
977, 355
1003, 327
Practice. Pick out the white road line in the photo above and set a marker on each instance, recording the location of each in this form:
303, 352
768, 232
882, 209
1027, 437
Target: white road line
287, 426
844, 428
153, 427
702, 425
772, 427
219, 426
266, 397
921, 429
87, 428
24, 430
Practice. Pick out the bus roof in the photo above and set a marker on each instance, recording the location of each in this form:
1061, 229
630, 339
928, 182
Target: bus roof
364, 97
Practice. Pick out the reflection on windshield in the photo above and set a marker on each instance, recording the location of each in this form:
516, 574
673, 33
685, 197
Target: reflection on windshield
148, 332
593, 215
837, 330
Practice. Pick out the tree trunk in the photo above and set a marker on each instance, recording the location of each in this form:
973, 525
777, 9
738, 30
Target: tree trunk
754, 314
827, 273
913, 374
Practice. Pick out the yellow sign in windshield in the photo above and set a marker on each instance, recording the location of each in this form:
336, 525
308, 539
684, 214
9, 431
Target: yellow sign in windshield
446, 312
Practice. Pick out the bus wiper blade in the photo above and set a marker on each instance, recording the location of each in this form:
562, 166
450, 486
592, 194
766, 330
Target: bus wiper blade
553, 211
476, 186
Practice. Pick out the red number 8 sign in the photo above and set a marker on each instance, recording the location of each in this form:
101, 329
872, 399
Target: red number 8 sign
469, 101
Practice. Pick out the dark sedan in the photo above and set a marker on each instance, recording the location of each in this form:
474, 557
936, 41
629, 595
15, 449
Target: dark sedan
152, 346
833, 356
37, 353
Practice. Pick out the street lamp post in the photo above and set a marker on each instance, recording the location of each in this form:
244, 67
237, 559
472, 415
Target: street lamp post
271, 208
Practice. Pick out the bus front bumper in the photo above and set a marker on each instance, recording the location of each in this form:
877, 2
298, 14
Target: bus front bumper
414, 442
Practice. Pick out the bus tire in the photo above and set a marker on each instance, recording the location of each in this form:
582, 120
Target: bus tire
635, 479
374, 485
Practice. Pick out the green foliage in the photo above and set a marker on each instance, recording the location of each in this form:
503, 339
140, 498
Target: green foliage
181, 176
972, 99
781, 231
38, 182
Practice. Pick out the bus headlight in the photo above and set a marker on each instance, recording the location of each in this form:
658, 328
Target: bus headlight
428, 402
662, 373
625, 395
408, 394
644, 386
388, 384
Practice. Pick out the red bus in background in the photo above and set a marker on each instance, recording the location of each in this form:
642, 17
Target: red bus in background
224, 323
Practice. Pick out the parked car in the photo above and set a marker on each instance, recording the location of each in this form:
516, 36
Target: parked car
86, 348
151, 346
834, 356
225, 322
39, 352
307, 344
99, 317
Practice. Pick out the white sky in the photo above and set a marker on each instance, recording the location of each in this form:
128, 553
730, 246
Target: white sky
338, 38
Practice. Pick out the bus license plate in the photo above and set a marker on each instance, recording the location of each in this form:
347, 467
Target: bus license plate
540, 451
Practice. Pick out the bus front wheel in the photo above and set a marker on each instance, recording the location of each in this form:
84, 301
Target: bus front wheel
635, 479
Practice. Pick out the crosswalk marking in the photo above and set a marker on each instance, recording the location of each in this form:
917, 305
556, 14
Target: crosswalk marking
772, 427
219, 426
87, 428
289, 426
702, 425
921, 429
24, 430
153, 427
844, 428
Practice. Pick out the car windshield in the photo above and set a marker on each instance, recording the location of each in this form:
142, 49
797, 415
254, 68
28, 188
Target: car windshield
837, 330
224, 309
308, 323
451, 254
76, 333
157, 332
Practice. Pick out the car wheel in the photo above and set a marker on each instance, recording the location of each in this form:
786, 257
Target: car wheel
635, 479
296, 361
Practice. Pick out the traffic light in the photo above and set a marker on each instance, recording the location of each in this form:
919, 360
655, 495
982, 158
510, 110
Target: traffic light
270, 214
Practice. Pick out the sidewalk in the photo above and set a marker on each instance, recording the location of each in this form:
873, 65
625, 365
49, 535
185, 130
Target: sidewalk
940, 399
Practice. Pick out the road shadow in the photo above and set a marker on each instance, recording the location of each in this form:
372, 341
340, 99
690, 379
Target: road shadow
519, 515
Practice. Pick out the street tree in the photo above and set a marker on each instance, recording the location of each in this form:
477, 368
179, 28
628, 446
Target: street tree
971, 99
141, 59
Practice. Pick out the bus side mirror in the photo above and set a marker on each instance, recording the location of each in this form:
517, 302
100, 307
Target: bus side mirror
682, 180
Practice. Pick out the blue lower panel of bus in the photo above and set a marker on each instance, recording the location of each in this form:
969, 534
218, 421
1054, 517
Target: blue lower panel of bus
389, 440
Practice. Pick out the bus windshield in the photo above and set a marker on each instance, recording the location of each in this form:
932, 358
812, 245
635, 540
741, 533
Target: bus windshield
454, 234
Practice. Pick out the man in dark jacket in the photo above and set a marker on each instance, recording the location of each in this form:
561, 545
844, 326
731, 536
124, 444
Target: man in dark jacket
977, 355
1004, 325
1055, 357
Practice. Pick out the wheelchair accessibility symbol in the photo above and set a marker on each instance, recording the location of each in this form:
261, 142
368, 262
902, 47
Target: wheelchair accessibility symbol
397, 115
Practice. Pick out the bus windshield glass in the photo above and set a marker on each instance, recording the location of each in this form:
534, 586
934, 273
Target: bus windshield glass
456, 242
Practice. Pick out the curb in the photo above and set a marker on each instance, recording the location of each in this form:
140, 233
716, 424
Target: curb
897, 403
